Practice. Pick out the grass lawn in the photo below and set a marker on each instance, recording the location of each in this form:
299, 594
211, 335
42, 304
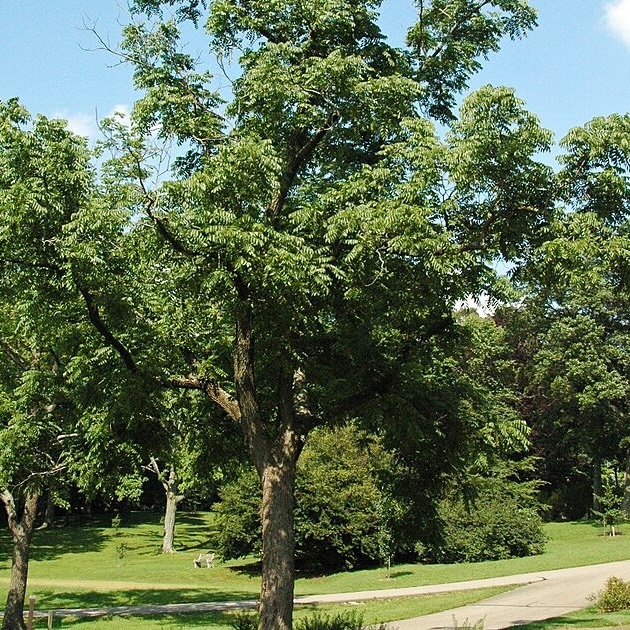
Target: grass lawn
98, 565
588, 618
372, 612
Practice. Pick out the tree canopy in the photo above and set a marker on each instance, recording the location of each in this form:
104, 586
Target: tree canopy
302, 264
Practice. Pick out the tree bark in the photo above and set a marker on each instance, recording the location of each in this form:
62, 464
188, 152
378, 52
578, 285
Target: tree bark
274, 448
22, 532
49, 514
597, 483
173, 498
278, 564
625, 505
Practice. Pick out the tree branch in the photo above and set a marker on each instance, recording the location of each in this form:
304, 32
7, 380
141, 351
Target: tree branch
13, 355
213, 390
295, 164
111, 339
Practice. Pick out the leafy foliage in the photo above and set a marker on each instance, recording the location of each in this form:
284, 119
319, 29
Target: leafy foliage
337, 496
615, 596
339, 621
500, 520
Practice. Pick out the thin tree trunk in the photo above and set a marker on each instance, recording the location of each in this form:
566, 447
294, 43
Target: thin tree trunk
49, 514
626, 487
22, 532
173, 499
597, 483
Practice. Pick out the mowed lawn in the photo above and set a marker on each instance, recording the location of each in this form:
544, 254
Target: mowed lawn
98, 565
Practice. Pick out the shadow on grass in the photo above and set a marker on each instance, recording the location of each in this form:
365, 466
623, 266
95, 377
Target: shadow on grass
251, 569
557, 622
195, 533
51, 600
399, 574
53, 543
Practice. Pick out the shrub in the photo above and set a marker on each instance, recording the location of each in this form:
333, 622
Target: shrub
501, 521
245, 621
614, 597
337, 519
340, 621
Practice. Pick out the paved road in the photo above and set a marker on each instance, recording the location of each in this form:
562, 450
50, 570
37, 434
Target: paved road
553, 594
543, 595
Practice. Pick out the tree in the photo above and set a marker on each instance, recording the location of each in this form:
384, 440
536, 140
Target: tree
318, 229
193, 456
42, 173
576, 368
54, 375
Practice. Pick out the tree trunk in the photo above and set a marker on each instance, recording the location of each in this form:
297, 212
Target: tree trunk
49, 514
22, 532
274, 448
173, 498
597, 483
278, 565
626, 487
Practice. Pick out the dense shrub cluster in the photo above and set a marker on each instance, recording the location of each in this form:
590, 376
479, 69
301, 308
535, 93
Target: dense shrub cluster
343, 517
317, 621
337, 518
501, 521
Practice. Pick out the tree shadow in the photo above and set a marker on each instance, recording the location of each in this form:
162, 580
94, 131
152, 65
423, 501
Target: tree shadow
398, 574
251, 569
183, 620
48, 599
556, 622
49, 544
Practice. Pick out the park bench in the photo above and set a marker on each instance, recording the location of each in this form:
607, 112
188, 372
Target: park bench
204, 558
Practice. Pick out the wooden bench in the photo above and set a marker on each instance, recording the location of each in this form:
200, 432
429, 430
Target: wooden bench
204, 558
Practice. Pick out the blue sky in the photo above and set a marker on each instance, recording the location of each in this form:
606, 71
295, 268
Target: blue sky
574, 66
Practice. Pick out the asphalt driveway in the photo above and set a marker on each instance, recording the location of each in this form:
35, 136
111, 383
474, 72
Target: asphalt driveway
548, 594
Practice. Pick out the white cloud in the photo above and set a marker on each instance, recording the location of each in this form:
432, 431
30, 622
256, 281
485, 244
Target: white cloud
80, 123
87, 125
123, 111
618, 19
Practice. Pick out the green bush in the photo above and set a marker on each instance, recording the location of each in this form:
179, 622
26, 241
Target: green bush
501, 521
337, 519
245, 621
614, 597
340, 621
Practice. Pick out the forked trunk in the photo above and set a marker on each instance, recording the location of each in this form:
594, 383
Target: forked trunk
278, 566
173, 498
172, 501
22, 533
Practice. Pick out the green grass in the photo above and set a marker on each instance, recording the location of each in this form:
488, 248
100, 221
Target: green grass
570, 545
373, 612
97, 565
587, 618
